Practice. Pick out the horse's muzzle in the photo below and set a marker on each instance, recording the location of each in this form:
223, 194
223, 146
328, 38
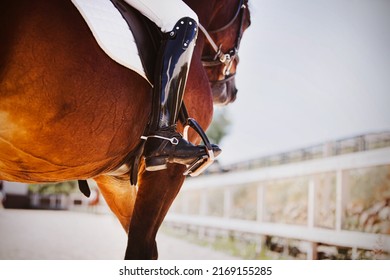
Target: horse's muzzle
224, 92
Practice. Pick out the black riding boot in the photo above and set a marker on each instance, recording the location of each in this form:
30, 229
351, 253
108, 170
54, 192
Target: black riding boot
165, 144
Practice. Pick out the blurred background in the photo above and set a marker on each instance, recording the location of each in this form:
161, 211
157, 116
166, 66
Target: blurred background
305, 168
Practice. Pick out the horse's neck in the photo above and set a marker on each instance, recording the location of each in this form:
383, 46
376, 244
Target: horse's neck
204, 10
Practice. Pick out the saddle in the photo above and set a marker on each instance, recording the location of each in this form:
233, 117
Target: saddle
148, 38
146, 34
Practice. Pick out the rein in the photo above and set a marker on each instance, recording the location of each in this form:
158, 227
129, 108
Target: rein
230, 56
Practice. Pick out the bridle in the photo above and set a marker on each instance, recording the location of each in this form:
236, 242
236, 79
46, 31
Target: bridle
228, 58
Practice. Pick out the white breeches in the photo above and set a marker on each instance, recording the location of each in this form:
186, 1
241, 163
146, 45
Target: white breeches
165, 13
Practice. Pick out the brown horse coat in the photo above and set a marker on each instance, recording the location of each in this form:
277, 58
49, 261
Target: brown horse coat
67, 111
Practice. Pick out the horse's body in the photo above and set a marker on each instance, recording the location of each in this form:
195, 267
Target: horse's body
67, 111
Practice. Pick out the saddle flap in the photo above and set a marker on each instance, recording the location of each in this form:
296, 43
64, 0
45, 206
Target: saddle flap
146, 34
122, 33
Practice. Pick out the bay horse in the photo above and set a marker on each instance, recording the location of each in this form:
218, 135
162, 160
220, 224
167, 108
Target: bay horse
69, 112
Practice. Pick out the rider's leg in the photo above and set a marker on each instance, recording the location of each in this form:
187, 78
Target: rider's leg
165, 144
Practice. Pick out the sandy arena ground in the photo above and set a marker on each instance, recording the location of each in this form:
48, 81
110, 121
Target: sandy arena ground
43, 235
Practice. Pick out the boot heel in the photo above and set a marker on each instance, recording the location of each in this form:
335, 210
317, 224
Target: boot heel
155, 164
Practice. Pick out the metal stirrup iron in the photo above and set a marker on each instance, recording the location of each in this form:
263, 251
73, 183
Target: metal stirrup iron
202, 163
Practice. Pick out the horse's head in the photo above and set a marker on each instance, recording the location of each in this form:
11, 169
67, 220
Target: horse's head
222, 29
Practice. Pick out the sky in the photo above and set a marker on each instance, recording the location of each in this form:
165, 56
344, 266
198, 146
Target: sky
309, 72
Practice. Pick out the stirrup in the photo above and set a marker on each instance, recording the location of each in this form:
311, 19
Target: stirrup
201, 164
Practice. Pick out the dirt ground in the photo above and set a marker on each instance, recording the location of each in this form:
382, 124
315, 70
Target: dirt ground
59, 235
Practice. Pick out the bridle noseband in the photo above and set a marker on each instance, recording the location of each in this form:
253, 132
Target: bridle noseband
228, 58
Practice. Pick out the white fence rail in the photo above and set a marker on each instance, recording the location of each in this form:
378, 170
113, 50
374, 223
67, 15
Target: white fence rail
309, 231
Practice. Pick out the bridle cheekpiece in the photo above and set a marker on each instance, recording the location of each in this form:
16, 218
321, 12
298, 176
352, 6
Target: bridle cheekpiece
228, 58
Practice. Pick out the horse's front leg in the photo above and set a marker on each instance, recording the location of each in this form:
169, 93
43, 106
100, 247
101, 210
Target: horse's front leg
157, 190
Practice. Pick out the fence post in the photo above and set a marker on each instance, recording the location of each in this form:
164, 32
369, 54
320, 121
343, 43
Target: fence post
227, 202
203, 208
185, 203
311, 203
339, 199
260, 203
312, 248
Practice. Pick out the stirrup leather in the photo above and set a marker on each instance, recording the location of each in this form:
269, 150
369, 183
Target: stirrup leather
201, 164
